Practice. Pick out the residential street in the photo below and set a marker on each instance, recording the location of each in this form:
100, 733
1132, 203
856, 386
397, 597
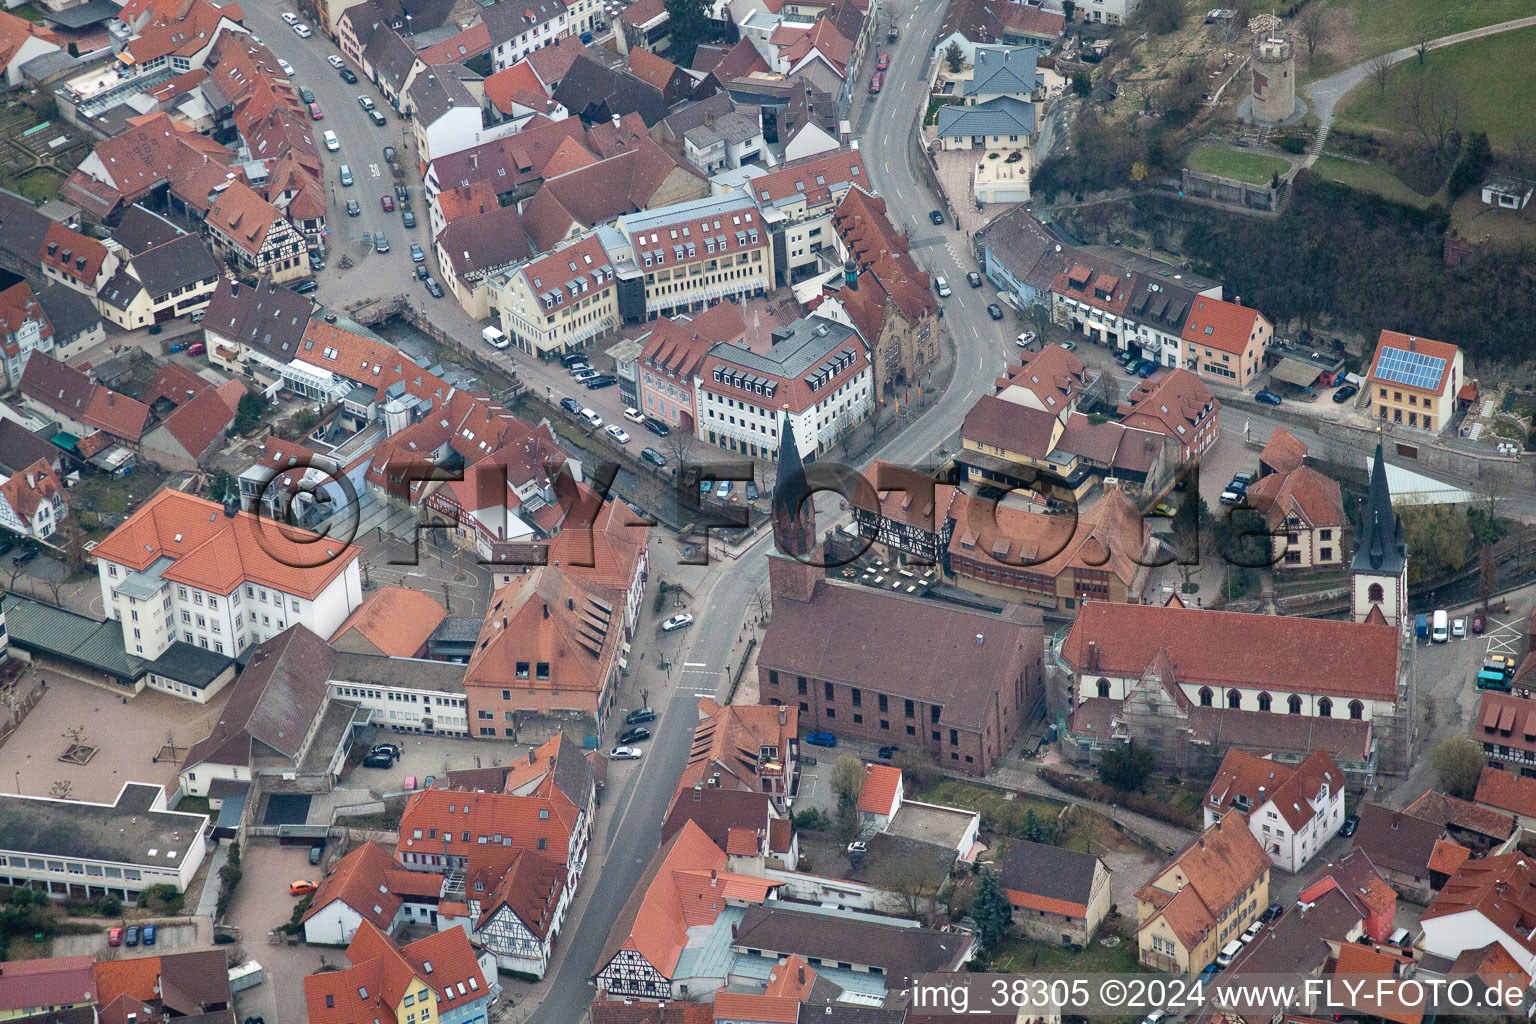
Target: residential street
723, 603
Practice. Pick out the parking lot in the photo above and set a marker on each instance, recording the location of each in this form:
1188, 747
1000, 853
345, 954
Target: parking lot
129, 733
261, 904
168, 937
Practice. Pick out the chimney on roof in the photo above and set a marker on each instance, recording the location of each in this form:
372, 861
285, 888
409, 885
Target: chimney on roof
546, 609
783, 716
802, 974
698, 791
530, 757
1261, 796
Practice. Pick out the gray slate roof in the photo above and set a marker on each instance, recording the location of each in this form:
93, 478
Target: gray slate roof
176, 264
1003, 115
390, 56
795, 351
273, 702
267, 317
1003, 69
505, 20
438, 90
142, 229
1052, 871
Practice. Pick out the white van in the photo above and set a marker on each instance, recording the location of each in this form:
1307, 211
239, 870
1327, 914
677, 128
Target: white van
494, 338
1439, 630
1228, 954
331, 142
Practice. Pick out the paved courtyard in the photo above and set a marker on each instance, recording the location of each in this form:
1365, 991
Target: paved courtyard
261, 904
129, 734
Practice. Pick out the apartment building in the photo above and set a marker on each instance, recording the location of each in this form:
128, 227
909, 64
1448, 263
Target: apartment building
254, 237
696, 253
815, 376
1414, 381
519, 28
1291, 809
672, 354
1226, 341
798, 202
561, 300
1203, 898
185, 568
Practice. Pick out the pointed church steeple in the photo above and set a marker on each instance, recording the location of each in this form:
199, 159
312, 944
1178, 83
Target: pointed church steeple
1379, 545
1379, 570
794, 515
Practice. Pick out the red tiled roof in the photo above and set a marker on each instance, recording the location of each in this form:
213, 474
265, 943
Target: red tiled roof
506, 85
728, 743
1284, 451
881, 782
651, 68
1448, 856
1106, 537
394, 620
137, 977
1207, 875
1507, 792
199, 423
878, 248
469, 43
1176, 403
760, 1008
1393, 340
906, 496
1284, 653
29, 487
86, 255
524, 820
18, 306
14, 32
685, 886
218, 552
1224, 326
1291, 788
818, 178
1306, 491
678, 346
57, 981
117, 414
355, 881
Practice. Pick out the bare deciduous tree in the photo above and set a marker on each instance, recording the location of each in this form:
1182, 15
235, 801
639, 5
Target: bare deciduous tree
1380, 68
1313, 26
1435, 106
1421, 47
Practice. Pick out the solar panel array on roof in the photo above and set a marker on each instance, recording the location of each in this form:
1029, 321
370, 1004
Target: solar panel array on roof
1411, 369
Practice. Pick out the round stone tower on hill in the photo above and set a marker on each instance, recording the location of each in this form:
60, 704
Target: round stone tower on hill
1274, 78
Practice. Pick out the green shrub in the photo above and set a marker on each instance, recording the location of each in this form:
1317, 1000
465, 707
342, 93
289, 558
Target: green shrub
1292, 144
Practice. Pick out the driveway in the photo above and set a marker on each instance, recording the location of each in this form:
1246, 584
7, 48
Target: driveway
167, 937
262, 903
1325, 93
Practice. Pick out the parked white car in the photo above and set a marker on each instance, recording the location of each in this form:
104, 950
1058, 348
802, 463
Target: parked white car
302, 31
617, 433
624, 754
290, 18
287, 68
331, 142
336, 62
592, 418
678, 621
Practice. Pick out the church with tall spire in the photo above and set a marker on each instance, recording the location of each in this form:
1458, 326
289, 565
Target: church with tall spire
1379, 570
793, 567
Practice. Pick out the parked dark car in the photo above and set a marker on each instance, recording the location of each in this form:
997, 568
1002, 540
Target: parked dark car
937, 216
1345, 393
974, 279
886, 753
315, 853
654, 457
131, 936
23, 556
602, 380
149, 935
635, 735
571, 406
994, 311
640, 716
389, 154
378, 761
821, 739
403, 195
354, 208
434, 289
657, 427
1478, 624
1272, 913
572, 358
1350, 824
387, 748
1268, 397
348, 75
306, 95
421, 272
1147, 369
408, 218
752, 490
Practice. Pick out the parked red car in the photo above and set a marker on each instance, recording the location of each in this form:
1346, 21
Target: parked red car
876, 82
884, 62
315, 113
197, 348
388, 202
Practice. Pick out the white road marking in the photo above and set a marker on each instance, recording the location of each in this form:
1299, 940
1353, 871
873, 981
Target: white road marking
695, 664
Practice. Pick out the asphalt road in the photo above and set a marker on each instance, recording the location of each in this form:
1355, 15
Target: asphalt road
362, 149
982, 350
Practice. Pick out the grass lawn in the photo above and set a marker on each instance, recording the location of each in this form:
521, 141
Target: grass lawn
1233, 163
38, 186
1383, 25
1373, 178
1493, 74
1023, 955
992, 804
934, 103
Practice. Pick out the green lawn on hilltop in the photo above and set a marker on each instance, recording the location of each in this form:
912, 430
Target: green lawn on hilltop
1384, 25
1375, 178
1496, 77
1253, 168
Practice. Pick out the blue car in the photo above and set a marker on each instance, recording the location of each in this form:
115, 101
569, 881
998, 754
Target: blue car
1268, 397
571, 406
821, 739
706, 485
1147, 369
1210, 971
148, 936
